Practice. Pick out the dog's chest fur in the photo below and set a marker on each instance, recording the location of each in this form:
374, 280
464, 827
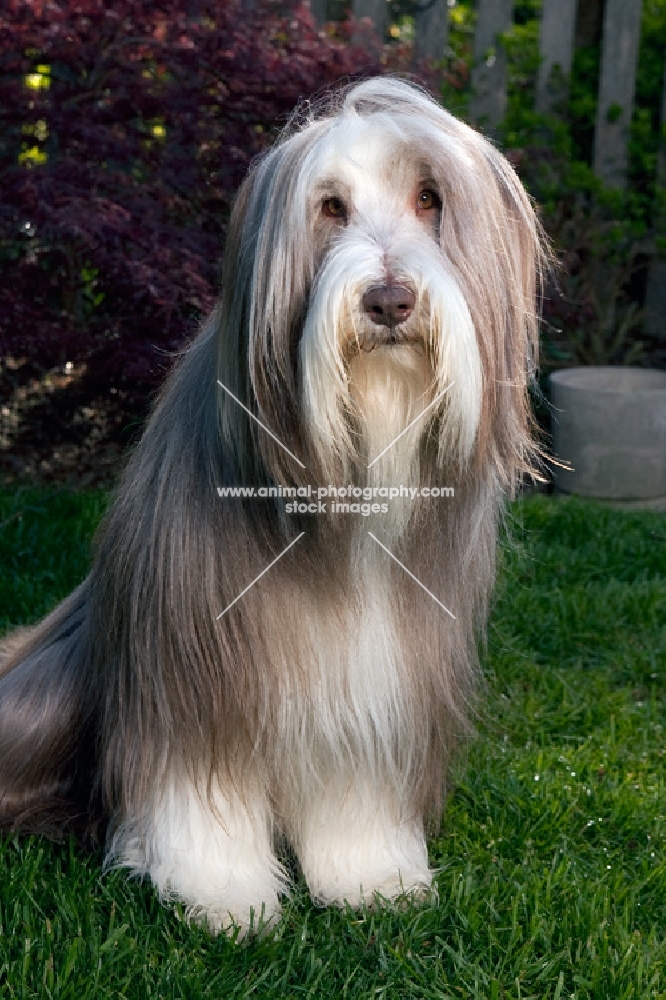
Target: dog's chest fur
351, 700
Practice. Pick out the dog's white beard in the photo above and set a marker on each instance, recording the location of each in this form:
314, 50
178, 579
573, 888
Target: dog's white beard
389, 386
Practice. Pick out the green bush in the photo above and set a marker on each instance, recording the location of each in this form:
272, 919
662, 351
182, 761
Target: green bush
592, 312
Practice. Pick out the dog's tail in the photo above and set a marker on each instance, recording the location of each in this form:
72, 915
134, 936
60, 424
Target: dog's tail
47, 725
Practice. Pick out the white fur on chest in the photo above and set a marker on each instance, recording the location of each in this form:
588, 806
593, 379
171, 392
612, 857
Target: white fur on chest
351, 718
353, 711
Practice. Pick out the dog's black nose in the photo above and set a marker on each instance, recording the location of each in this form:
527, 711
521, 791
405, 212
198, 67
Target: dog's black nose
389, 305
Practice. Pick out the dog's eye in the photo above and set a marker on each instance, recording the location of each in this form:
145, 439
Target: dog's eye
428, 199
334, 208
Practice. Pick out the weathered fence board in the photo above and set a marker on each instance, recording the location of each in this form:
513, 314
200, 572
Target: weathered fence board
489, 74
376, 10
619, 56
431, 29
557, 37
654, 322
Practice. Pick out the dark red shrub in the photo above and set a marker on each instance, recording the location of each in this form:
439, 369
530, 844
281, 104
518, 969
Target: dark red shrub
124, 130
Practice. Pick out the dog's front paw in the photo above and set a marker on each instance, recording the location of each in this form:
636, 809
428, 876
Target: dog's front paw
238, 918
212, 853
368, 857
339, 886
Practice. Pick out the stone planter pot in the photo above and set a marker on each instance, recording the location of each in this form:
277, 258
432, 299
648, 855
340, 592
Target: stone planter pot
609, 425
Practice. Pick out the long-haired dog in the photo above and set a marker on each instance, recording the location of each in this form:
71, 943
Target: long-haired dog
239, 673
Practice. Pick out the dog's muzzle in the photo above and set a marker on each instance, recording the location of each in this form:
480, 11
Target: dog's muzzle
388, 307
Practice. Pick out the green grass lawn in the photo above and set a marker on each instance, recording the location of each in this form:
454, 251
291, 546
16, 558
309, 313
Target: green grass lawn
551, 856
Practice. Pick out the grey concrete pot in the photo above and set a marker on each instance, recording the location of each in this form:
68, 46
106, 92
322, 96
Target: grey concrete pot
609, 425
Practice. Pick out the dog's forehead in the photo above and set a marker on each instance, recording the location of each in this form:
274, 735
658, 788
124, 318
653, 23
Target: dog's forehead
372, 147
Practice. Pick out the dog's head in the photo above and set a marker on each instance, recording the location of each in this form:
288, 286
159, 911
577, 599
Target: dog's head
382, 255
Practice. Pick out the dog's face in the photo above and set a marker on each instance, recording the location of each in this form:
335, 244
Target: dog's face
388, 328
381, 257
376, 208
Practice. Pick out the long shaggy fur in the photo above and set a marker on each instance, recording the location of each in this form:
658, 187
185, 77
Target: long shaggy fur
322, 707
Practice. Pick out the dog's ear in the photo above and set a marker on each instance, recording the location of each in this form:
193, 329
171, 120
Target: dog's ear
267, 276
492, 238
509, 333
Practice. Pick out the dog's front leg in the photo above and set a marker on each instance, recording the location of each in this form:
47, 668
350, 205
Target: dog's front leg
211, 849
353, 844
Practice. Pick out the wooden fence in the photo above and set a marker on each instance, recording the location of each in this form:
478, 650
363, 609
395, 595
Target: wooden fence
557, 39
